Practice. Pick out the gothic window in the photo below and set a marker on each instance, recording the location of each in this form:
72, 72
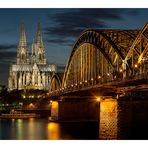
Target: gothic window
23, 57
13, 82
40, 56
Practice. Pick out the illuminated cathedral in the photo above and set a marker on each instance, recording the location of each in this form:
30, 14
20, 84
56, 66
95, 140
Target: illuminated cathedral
30, 72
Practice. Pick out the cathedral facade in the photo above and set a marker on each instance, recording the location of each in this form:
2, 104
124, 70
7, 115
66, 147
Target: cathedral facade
30, 72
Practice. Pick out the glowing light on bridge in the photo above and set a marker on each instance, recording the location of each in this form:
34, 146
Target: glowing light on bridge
31, 105
98, 99
136, 65
99, 77
24, 97
121, 70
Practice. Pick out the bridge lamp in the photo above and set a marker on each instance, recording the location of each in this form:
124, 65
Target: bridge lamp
31, 105
136, 65
98, 99
121, 70
24, 97
99, 77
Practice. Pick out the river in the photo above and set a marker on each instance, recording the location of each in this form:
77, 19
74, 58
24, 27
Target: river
118, 120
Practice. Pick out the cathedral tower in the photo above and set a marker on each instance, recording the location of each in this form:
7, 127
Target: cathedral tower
30, 75
22, 53
38, 50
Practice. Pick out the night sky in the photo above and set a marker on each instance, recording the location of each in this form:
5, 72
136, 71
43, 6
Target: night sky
60, 27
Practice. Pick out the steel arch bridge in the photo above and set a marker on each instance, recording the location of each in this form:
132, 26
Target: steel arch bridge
56, 82
102, 56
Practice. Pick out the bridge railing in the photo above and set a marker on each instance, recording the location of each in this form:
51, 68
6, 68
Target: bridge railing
141, 76
83, 85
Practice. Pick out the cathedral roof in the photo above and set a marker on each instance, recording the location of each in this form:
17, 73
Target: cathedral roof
29, 67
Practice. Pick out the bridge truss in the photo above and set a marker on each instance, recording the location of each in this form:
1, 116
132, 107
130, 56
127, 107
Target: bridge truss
102, 56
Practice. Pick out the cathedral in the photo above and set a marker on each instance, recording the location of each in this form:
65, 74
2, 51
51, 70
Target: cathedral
30, 72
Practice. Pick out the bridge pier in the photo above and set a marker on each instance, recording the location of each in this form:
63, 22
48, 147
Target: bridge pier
75, 109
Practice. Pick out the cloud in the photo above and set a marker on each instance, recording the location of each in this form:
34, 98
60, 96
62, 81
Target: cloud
133, 12
7, 53
4, 47
7, 31
7, 57
61, 41
69, 23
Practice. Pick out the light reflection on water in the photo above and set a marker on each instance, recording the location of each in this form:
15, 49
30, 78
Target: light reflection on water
19, 128
118, 120
53, 131
38, 129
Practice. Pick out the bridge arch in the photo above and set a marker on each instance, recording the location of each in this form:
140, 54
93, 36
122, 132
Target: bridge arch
95, 58
137, 56
56, 82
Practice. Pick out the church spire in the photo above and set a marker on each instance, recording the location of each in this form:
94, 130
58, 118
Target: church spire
22, 53
38, 46
39, 39
22, 41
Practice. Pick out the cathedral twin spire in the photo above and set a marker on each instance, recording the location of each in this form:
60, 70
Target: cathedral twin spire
22, 54
22, 41
38, 51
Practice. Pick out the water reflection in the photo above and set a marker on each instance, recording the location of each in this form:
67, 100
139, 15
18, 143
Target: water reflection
31, 129
118, 120
53, 131
19, 128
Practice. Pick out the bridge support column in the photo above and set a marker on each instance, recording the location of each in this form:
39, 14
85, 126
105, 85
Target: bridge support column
75, 109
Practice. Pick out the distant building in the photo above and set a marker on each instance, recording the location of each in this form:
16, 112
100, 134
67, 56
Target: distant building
33, 72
